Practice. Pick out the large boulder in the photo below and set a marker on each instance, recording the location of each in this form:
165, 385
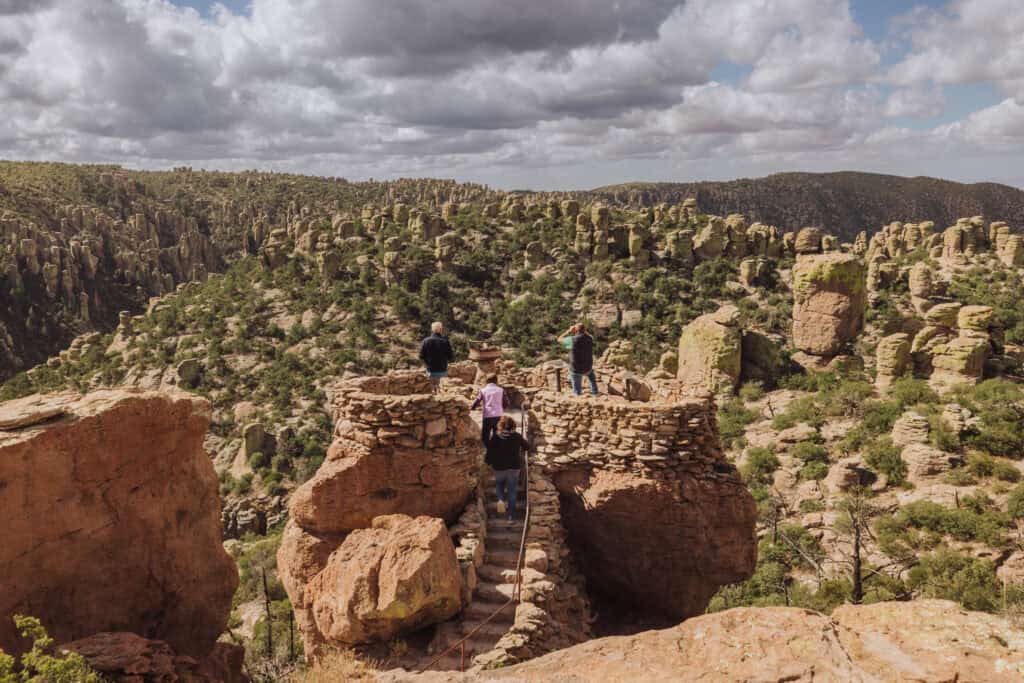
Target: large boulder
399, 449
130, 658
710, 240
357, 483
665, 546
959, 361
892, 359
710, 351
922, 640
112, 519
830, 294
398, 575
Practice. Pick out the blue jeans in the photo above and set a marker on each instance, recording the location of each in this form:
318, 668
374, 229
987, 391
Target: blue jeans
577, 382
507, 482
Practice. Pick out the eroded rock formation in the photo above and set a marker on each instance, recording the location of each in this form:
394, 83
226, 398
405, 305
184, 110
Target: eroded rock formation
654, 513
829, 299
922, 640
399, 450
112, 519
709, 352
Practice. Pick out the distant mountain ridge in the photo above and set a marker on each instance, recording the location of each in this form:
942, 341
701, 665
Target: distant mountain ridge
843, 203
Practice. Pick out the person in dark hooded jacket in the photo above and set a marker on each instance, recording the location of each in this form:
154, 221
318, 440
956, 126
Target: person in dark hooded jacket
505, 456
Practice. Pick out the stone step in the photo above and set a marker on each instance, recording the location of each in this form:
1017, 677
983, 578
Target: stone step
489, 632
502, 524
496, 574
501, 558
450, 662
481, 610
493, 592
504, 539
492, 509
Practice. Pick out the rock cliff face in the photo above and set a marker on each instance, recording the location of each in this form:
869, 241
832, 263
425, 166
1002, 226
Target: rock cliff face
112, 519
655, 515
399, 450
924, 640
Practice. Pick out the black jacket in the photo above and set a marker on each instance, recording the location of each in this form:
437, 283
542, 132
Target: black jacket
504, 450
581, 358
436, 353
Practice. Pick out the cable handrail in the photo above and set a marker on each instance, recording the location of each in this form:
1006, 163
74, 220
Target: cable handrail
518, 585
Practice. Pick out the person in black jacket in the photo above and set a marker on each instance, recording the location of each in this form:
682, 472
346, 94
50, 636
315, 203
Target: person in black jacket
581, 357
436, 352
504, 455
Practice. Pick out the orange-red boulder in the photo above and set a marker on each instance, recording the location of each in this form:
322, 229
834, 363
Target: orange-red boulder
662, 546
112, 519
130, 658
398, 575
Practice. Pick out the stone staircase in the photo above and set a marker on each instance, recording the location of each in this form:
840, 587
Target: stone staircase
495, 585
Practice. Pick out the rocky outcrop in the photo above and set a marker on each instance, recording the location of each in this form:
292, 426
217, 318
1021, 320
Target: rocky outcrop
399, 449
394, 577
892, 359
829, 298
655, 515
922, 640
130, 658
112, 519
710, 352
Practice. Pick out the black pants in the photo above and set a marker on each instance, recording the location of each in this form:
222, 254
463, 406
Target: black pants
488, 429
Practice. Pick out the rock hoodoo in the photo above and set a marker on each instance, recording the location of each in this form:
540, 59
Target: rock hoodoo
112, 519
709, 352
829, 299
398, 450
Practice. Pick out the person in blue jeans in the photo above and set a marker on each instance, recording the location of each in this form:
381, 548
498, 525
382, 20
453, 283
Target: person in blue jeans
505, 456
581, 357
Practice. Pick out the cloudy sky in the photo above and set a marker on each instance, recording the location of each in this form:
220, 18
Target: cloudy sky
520, 93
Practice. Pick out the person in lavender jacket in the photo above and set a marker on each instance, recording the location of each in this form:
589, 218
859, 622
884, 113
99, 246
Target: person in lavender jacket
494, 401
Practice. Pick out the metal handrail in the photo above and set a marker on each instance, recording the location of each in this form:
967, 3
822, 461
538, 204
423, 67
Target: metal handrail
518, 586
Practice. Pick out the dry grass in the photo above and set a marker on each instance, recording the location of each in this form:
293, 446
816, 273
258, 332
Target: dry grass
342, 665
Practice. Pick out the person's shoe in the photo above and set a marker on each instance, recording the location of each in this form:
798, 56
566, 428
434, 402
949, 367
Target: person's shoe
501, 507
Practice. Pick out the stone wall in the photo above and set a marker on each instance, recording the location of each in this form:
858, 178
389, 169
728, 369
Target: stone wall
398, 449
654, 513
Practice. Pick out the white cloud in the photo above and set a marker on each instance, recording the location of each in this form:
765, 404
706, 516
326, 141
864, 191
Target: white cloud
917, 102
489, 87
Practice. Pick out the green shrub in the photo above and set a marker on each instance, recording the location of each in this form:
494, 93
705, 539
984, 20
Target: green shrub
751, 391
811, 505
808, 451
1015, 503
257, 461
999, 407
733, 417
960, 476
814, 471
941, 436
884, 457
760, 464
911, 392
924, 523
805, 409
40, 664
949, 575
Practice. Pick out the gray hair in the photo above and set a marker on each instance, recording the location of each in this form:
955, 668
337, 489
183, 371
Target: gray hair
437, 327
